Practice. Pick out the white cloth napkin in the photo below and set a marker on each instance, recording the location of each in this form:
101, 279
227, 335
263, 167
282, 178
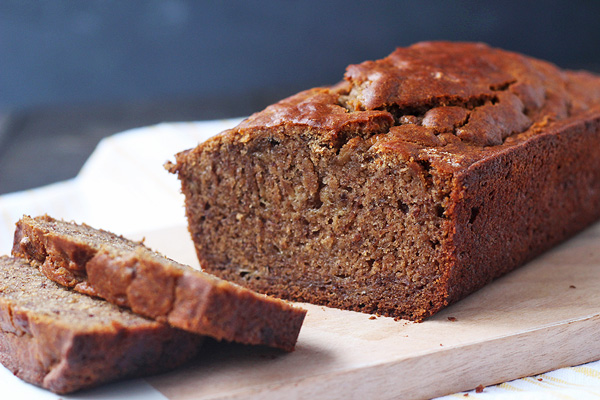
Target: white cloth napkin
123, 186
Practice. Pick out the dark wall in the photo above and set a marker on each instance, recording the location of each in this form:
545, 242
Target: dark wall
65, 52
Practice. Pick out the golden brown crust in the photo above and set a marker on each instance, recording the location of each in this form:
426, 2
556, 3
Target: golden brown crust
416, 181
64, 341
130, 275
500, 93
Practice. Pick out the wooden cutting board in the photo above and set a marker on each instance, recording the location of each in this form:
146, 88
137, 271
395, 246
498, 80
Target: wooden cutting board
541, 317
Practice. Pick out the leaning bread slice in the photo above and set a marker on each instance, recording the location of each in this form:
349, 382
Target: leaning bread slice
65, 341
128, 274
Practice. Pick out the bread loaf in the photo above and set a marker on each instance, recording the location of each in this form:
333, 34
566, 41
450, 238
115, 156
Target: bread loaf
414, 182
127, 273
65, 341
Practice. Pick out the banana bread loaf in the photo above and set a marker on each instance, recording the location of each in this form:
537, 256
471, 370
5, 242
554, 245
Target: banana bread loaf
65, 341
417, 180
128, 274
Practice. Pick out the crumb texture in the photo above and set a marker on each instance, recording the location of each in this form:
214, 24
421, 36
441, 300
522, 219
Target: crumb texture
65, 341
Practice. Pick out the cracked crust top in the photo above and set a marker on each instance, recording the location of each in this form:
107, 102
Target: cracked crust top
462, 98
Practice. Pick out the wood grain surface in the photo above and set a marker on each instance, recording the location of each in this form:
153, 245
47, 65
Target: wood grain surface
541, 317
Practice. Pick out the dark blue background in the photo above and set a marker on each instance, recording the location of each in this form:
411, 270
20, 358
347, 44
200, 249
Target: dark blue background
74, 51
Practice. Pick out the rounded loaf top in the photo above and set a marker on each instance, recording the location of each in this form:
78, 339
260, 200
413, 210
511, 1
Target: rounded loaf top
468, 93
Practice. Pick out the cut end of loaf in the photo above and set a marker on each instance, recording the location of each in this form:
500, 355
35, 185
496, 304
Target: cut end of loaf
355, 227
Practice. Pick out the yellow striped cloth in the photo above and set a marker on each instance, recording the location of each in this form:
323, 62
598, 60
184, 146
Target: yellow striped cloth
573, 383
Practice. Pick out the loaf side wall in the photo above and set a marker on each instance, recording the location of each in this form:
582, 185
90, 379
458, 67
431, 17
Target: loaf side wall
518, 203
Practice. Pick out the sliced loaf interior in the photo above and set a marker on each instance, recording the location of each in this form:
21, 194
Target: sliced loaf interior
64, 341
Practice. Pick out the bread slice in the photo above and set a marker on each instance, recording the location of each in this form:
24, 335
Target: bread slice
65, 341
416, 181
127, 273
